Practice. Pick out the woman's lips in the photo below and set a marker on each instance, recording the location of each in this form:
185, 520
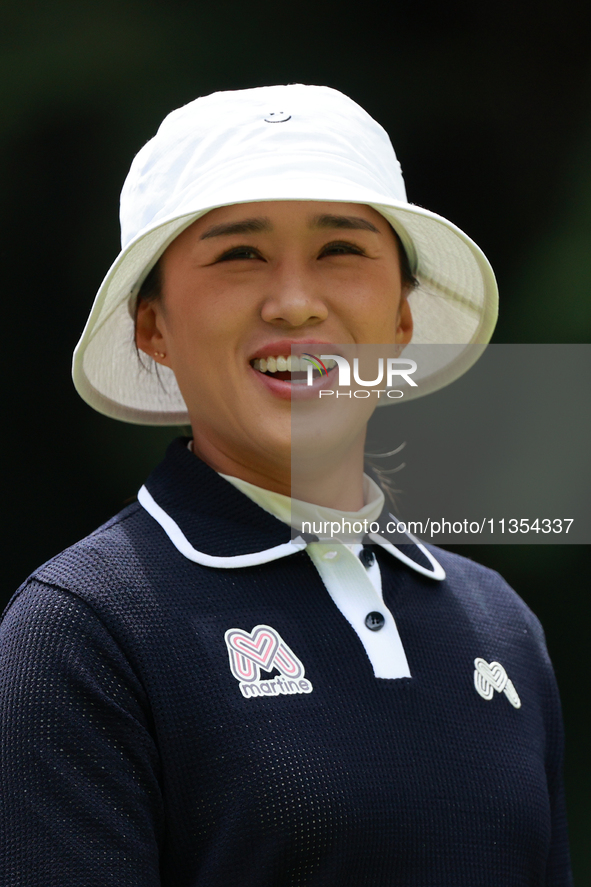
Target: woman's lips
286, 347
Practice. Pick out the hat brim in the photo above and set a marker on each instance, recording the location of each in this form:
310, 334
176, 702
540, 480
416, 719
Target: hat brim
455, 303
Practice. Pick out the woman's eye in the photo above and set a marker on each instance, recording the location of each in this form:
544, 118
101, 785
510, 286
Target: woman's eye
240, 252
342, 249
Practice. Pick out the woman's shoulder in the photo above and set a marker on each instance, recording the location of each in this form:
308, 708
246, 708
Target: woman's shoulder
486, 595
106, 552
103, 564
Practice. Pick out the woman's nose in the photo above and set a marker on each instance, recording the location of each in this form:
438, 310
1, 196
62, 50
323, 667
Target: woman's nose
294, 300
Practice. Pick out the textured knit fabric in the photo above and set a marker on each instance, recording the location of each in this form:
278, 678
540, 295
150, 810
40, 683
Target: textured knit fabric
131, 757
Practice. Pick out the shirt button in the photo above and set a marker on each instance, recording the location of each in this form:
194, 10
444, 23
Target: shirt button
330, 555
367, 557
375, 621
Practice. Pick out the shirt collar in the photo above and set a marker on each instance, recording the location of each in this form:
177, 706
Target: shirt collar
213, 523
294, 511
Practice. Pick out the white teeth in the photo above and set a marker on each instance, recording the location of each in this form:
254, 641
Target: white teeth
291, 364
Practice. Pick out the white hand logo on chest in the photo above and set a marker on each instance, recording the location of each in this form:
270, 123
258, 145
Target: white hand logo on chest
489, 677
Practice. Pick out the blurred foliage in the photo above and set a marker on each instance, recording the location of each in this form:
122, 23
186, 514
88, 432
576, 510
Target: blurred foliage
551, 288
488, 107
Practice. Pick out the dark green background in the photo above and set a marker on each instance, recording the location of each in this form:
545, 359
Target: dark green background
489, 109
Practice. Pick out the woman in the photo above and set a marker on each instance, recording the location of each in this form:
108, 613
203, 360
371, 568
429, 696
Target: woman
191, 698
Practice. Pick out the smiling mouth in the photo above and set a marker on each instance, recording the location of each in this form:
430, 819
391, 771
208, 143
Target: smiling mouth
289, 368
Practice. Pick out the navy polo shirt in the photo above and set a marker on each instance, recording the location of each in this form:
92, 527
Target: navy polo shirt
178, 723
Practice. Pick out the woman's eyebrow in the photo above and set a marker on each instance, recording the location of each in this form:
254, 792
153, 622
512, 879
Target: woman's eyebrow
350, 222
326, 220
245, 226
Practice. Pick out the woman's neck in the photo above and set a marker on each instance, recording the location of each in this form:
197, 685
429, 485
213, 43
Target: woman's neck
334, 483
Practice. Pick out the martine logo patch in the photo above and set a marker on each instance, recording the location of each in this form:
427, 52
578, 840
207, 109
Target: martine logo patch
264, 648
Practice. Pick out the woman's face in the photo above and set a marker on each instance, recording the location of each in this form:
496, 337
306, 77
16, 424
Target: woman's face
248, 281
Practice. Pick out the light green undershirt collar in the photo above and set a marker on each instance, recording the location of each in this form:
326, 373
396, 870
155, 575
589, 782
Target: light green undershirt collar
294, 512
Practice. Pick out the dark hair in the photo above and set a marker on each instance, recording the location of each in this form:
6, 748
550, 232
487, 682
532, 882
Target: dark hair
151, 288
409, 281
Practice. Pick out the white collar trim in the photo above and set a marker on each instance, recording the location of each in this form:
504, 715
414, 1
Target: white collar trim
182, 544
254, 558
436, 573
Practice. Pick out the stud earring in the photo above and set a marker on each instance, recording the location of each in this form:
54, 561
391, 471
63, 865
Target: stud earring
160, 354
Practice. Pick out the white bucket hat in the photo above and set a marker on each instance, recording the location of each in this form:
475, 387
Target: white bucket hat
291, 142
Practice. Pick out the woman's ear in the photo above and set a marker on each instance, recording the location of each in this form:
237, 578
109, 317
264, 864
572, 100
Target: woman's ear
148, 333
404, 324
